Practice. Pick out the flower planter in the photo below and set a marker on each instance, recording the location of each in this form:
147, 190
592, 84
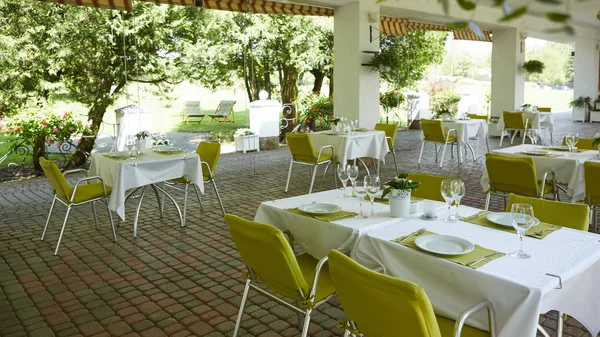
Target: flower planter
246, 143
399, 203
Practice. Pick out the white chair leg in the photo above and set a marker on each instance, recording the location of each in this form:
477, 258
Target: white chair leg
559, 324
185, 197
95, 216
335, 176
524, 136
287, 184
112, 223
218, 195
501, 138
198, 197
487, 200
395, 163
421, 153
314, 175
238, 321
49, 216
443, 155
137, 212
162, 203
62, 231
306, 322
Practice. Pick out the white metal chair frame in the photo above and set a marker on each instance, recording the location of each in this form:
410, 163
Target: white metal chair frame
593, 209
448, 141
393, 151
539, 191
71, 204
515, 132
313, 168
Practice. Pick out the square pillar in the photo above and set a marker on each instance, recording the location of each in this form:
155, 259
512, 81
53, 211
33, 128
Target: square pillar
508, 80
586, 72
356, 89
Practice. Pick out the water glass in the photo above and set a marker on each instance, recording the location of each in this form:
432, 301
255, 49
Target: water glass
352, 175
372, 184
343, 176
446, 190
575, 140
129, 143
534, 135
458, 192
521, 216
360, 192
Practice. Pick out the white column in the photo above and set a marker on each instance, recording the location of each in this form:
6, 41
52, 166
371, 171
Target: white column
356, 87
508, 81
586, 69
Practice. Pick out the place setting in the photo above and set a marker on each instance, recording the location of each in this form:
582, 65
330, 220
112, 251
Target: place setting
504, 221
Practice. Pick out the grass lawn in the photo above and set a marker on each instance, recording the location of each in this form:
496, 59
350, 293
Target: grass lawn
221, 132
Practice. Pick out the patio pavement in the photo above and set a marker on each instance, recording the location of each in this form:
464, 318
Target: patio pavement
174, 281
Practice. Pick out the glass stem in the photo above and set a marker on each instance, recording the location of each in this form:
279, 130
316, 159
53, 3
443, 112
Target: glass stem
344, 183
372, 205
521, 239
360, 201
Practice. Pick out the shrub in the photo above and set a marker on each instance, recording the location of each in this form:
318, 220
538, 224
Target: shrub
316, 110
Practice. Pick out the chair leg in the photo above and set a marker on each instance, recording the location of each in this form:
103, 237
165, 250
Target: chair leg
62, 231
559, 324
395, 163
95, 216
162, 203
513, 137
306, 322
501, 139
137, 212
487, 200
443, 155
185, 197
49, 216
198, 196
487, 143
524, 136
112, 223
436, 151
218, 196
287, 184
314, 175
335, 177
238, 321
421, 153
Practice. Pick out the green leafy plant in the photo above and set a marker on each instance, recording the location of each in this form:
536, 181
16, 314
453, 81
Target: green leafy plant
534, 67
445, 103
596, 141
581, 102
389, 101
243, 132
142, 135
400, 183
316, 110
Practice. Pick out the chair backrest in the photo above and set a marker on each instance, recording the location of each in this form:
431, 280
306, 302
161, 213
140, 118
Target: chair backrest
224, 108
543, 109
301, 147
514, 120
391, 130
591, 173
56, 178
512, 174
475, 116
430, 186
433, 131
192, 108
576, 216
381, 305
583, 143
268, 254
209, 152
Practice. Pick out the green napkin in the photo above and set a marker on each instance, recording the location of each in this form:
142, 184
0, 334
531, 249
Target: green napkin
387, 201
561, 149
540, 231
169, 152
327, 217
549, 155
464, 259
118, 157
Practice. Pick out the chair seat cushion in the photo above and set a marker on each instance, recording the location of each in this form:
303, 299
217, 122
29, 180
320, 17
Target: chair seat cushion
86, 192
325, 286
447, 328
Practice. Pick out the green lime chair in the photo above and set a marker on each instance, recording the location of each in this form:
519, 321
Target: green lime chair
544, 109
82, 193
583, 143
591, 173
381, 305
303, 153
514, 121
564, 214
209, 154
430, 186
271, 262
486, 118
391, 130
433, 132
508, 174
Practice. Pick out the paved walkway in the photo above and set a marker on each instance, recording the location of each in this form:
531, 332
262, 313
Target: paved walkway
172, 281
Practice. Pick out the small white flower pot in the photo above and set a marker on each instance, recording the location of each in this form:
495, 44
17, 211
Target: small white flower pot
246, 143
399, 203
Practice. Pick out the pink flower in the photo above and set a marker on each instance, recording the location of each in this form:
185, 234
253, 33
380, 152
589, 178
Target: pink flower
49, 140
19, 128
55, 130
60, 115
70, 128
61, 123
79, 121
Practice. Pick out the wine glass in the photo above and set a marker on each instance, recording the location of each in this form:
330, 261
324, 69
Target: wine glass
372, 184
569, 142
129, 143
458, 192
521, 216
574, 141
534, 135
446, 190
343, 176
360, 192
352, 175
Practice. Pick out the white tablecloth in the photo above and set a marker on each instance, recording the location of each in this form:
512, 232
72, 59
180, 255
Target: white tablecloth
467, 128
537, 120
122, 175
316, 237
520, 290
371, 144
568, 169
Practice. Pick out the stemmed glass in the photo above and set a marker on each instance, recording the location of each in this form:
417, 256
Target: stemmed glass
574, 141
129, 143
343, 175
446, 190
534, 135
458, 192
352, 175
521, 216
360, 192
372, 184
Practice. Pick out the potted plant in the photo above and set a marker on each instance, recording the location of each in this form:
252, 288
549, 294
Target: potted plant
141, 141
581, 104
398, 191
389, 101
245, 140
596, 142
526, 107
533, 67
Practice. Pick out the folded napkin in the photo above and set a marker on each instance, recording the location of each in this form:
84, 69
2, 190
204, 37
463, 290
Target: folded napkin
166, 153
118, 157
326, 217
549, 155
387, 201
467, 260
540, 231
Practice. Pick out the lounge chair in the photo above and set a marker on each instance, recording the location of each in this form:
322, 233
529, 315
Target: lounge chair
223, 111
193, 110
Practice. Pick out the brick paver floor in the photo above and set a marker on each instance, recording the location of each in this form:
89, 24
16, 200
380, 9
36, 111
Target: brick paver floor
173, 281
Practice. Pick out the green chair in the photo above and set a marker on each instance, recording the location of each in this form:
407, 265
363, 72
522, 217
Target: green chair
433, 132
486, 118
508, 174
271, 262
542, 109
209, 154
591, 173
381, 305
430, 186
514, 121
583, 143
303, 153
391, 130
80, 194
575, 216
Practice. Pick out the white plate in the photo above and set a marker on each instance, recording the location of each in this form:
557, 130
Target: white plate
319, 208
561, 148
119, 154
536, 152
503, 219
444, 244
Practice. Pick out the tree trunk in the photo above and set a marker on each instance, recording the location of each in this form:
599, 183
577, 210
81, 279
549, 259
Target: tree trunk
319, 77
86, 144
289, 94
39, 151
330, 76
267, 76
246, 79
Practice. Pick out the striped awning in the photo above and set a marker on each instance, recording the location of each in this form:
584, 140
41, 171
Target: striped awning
266, 7
123, 5
467, 34
393, 26
177, 2
401, 27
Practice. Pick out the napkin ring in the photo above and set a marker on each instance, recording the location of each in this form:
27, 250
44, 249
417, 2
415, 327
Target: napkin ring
559, 280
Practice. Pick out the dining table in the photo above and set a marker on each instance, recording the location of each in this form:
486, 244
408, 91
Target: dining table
467, 129
537, 120
124, 172
560, 275
568, 168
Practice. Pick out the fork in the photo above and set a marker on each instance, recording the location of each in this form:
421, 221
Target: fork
544, 230
418, 233
471, 264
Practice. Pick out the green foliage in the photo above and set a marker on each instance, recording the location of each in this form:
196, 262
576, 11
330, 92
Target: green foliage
403, 60
443, 98
243, 132
390, 100
315, 109
581, 102
533, 67
400, 183
37, 124
596, 141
